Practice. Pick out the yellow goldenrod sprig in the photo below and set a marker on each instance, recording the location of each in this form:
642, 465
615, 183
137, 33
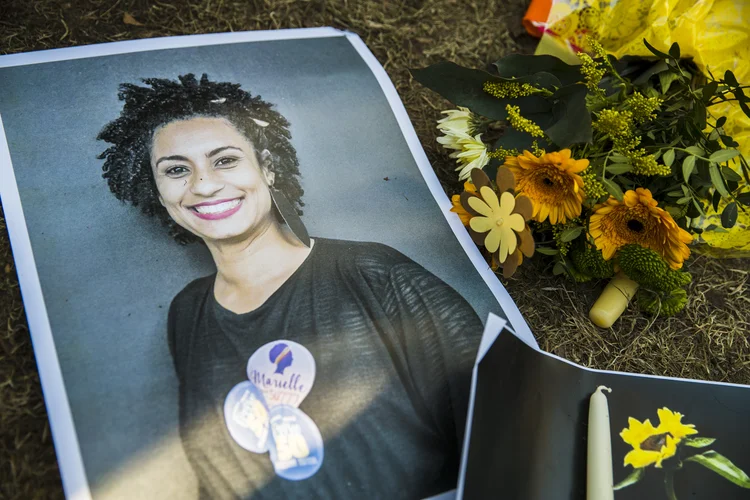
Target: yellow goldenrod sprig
537, 150
592, 72
522, 124
509, 90
645, 164
502, 153
591, 185
601, 53
642, 108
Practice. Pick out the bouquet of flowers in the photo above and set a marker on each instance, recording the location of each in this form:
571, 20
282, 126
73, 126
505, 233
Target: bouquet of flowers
606, 167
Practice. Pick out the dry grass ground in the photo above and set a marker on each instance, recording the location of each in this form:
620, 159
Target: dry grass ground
709, 340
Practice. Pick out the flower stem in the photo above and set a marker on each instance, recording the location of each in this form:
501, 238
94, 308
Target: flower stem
669, 485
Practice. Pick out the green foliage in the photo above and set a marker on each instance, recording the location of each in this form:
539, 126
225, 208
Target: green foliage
589, 260
654, 115
641, 264
662, 304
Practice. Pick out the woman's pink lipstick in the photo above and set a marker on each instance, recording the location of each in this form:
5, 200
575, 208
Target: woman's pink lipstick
217, 215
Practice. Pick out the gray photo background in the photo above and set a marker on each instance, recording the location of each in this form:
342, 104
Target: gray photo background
108, 273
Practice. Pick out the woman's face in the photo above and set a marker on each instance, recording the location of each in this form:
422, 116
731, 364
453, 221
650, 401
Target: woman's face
209, 179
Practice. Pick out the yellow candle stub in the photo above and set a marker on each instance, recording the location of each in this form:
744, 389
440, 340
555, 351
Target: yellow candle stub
599, 479
613, 301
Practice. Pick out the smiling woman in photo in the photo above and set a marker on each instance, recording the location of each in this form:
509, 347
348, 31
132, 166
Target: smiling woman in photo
370, 354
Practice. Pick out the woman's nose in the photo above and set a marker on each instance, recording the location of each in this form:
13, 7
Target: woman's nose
206, 184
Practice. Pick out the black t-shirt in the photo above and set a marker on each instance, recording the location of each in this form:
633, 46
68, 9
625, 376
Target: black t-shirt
393, 346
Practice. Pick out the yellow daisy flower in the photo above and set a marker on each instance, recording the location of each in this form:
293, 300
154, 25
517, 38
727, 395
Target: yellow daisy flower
653, 445
551, 182
638, 219
496, 218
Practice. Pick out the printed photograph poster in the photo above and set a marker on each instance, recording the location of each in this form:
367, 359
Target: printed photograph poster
131, 176
691, 435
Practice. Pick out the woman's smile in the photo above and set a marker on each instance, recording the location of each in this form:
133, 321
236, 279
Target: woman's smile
219, 209
210, 179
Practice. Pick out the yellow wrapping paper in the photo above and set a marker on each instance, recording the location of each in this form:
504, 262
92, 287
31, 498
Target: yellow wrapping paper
716, 33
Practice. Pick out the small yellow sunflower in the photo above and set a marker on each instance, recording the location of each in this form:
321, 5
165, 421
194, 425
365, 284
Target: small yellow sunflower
496, 218
638, 219
653, 445
551, 182
458, 208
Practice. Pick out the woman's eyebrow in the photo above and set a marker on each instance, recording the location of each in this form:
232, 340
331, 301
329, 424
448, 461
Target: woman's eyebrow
173, 157
219, 150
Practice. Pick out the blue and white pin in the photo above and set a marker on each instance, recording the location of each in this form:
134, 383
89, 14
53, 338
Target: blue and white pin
296, 446
247, 417
284, 371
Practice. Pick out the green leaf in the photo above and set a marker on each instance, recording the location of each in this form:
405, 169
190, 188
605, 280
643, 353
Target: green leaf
688, 165
657, 53
520, 65
699, 114
558, 269
721, 121
675, 212
546, 251
728, 141
669, 156
619, 158
464, 87
571, 233
613, 189
516, 139
695, 150
665, 80
722, 466
745, 109
657, 68
744, 198
674, 50
730, 175
714, 135
729, 215
717, 180
695, 209
708, 90
731, 79
715, 200
574, 123
723, 155
619, 168
633, 478
699, 442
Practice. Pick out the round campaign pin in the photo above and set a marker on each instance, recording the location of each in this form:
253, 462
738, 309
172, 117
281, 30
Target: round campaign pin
295, 446
284, 371
247, 418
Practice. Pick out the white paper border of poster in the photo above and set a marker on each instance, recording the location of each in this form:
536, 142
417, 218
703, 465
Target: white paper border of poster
64, 436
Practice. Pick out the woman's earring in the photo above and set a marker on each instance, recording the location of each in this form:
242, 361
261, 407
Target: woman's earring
289, 214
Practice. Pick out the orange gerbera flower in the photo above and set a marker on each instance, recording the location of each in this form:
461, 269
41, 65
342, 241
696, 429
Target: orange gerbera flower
551, 182
638, 219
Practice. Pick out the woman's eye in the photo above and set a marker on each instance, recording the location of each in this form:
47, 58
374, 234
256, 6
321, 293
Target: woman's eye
176, 171
226, 161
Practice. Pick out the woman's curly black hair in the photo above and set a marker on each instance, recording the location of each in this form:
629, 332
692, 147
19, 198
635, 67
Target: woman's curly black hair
127, 162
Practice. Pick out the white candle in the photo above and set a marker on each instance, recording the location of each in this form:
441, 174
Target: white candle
599, 480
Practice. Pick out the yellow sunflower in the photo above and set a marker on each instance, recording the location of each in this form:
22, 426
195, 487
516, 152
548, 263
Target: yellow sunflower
653, 445
638, 219
458, 208
551, 182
